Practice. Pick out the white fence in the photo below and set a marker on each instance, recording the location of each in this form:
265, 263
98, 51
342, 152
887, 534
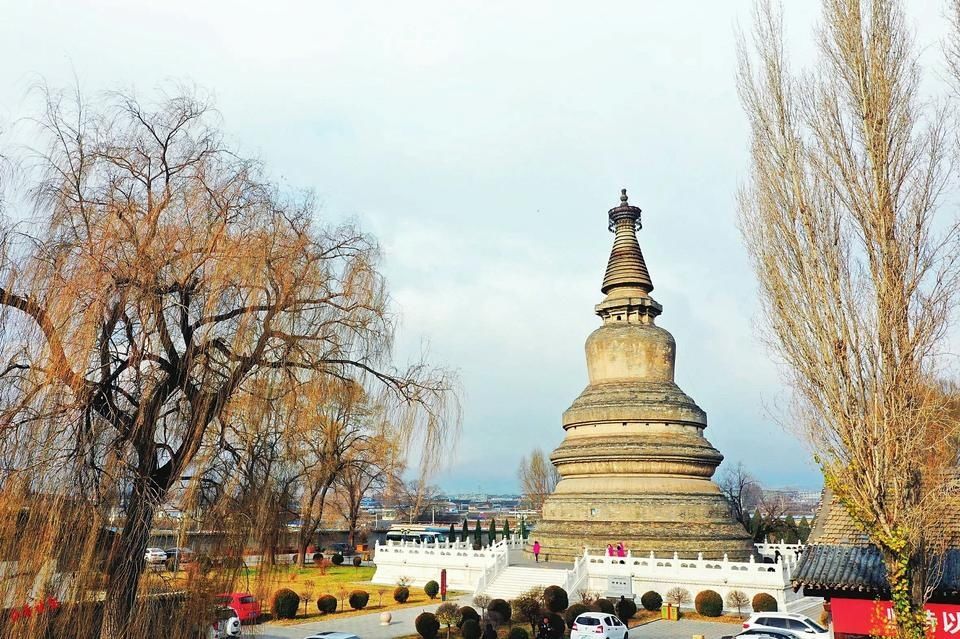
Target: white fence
476, 570
419, 563
660, 574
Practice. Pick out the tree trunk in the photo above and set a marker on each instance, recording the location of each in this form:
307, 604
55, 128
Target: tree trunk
128, 564
906, 595
303, 539
310, 525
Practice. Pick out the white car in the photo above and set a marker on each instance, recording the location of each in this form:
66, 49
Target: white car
598, 625
329, 634
155, 556
797, 624
225, 624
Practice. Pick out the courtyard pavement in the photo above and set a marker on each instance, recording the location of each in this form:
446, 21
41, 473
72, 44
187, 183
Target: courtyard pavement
368, 627
364, 626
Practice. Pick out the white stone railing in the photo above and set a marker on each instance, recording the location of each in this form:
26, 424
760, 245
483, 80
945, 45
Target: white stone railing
472, 570
422, 562
650, 572
777, 574
576, 577
789, 552
501, 560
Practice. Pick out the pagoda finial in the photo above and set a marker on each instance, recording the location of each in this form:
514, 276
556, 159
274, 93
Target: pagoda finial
626, 267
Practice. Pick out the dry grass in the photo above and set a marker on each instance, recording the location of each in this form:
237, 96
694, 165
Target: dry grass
338, 581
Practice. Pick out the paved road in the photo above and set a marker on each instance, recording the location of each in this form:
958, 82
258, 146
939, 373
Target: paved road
368, 626
364, 626
684, 629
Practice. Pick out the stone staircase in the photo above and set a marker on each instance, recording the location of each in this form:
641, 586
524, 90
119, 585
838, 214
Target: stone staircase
515, 580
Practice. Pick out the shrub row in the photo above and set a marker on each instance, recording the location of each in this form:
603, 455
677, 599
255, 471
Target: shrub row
709, 603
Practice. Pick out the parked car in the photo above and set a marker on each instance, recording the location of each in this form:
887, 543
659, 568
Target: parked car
329, 634
598, 625
797, 624
246, 605
344, 549
225, 624
177, 556
155, 555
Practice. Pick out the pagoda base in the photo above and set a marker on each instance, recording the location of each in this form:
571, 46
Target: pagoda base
686, 524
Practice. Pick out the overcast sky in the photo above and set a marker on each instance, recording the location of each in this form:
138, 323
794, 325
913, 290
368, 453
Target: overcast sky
483, 143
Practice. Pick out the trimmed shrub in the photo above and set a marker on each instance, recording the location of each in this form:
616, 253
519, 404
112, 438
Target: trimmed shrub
401, 594
651, 600
604, 605
626, 609
762, 602
357, 561
431, 588
555, 599
285, 604
709, 603
467, 613
327, 604
359, 599
427, 625
337, 559
518, 633
470, 629
501, 611
571, 613
448, 614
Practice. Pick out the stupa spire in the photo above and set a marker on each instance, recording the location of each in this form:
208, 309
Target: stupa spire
626, 267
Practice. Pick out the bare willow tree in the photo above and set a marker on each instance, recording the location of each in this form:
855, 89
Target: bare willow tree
160, 284
329, 422
538, 478
858, 272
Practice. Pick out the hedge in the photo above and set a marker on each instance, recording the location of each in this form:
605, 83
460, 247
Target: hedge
359, 599
651, 600
762, 602
709, 603
327, 604
555, 599
285, 604
427, 625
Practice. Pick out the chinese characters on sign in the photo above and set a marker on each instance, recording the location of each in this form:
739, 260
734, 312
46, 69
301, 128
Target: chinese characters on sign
870, 617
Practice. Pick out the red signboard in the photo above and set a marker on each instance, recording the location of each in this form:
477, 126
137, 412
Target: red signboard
869, 617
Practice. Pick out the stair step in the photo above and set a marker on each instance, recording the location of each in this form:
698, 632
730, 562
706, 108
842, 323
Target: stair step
515, 580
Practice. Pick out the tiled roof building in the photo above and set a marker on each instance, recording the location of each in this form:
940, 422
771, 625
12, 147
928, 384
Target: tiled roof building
839, 556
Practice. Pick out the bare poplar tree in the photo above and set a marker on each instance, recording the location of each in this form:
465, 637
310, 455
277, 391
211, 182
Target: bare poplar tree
538, 478
161, 284
857, 271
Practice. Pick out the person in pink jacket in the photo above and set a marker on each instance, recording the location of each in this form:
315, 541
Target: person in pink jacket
609, 550
621, 550
536, 551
